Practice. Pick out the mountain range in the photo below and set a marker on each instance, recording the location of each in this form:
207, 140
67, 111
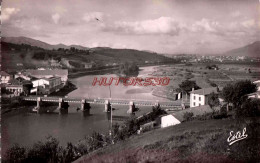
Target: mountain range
41, 44
251, 50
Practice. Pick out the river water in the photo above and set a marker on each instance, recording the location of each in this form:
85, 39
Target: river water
27, 128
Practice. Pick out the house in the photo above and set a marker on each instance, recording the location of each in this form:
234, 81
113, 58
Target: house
257, 84
47, 73
169, 120
254, 95
5, 77
20, 76
198, 110
54, 63
257, 93
200, 97
89, 65
147, 126
46, 85
14, 87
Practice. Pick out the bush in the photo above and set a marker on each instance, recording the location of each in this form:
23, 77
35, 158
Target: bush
48, 151
250, 108
188, 116
15, 154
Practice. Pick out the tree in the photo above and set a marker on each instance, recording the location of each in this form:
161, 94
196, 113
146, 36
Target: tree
250, 108
129, 69
48, 151
213, 100
236, 93
187, 85
15, 154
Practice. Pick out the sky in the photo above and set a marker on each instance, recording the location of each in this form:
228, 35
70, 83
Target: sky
162, 26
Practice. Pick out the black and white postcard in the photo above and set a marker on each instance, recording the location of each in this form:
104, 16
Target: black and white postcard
130, 81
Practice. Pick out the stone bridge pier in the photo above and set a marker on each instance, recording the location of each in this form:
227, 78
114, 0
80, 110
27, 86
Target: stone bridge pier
38, 107
131, 107
85, 107
157, 105
107, 106
63, 106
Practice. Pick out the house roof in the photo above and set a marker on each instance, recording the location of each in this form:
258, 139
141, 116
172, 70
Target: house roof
254, 93
51, 78
256, 82
3, 73
14, 82
199, 110
59, 72
47, 79
206, 91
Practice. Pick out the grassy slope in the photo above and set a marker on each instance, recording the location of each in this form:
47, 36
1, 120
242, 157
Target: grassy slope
196, 141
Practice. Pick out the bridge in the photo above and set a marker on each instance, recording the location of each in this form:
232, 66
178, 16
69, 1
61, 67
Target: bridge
85, 103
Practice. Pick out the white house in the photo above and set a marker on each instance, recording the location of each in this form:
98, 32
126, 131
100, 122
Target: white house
46, 85
62, 73
15, 87
5, 77
200, 97
169, 120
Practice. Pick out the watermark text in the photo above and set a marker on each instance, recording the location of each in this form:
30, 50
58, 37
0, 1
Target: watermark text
131, 81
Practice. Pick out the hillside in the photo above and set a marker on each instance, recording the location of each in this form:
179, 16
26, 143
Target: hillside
195, 141
251, 50
21, 52
37, 43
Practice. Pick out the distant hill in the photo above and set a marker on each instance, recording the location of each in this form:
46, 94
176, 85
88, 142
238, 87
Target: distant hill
34, 53
251, 50
33, 42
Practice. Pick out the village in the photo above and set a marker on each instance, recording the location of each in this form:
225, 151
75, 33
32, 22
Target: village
34, 81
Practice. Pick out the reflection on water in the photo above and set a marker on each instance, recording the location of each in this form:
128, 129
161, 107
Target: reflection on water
26, 128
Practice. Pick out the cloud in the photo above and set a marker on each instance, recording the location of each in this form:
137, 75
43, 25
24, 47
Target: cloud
235, 14
8, 12
56, 17
162, 25
248, 23
93, 16
205, 25
233, 28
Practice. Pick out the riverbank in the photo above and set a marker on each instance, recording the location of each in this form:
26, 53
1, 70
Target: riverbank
82, 73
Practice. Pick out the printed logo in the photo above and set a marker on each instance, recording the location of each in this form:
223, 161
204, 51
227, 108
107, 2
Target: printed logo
235, 137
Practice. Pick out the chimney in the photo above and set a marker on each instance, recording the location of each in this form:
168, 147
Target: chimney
203, 91
192, 89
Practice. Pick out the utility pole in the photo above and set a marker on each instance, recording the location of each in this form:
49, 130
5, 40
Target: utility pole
111, 112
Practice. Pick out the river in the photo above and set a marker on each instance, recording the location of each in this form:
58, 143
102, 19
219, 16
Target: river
27, 128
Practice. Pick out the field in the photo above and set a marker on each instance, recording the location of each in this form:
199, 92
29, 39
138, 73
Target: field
195, 141
205, 77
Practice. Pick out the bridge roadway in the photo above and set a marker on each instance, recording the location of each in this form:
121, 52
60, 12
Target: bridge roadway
103, 101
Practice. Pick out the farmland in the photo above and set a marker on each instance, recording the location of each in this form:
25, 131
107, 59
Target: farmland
205, 77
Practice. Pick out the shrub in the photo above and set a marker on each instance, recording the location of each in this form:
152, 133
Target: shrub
250, 108
188, 116
48, 151
15, 154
